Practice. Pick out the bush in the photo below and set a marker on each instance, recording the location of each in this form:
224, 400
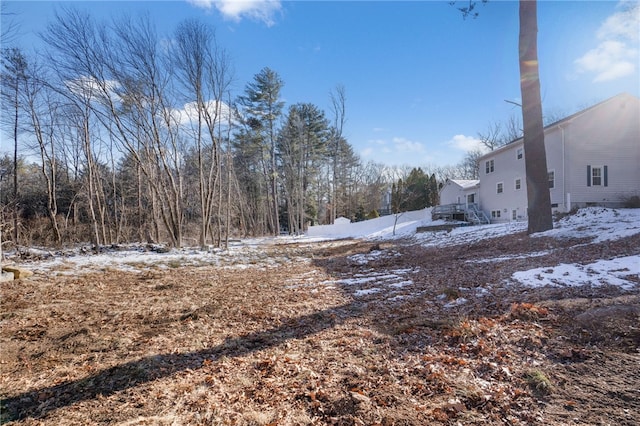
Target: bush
632, 202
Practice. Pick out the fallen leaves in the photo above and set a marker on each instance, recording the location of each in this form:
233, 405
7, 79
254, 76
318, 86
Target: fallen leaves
289, 344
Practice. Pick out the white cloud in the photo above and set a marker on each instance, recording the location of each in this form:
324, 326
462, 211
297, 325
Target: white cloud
405, 145
235, 10
612, 59
616, 55
466, 143
624, 24
188, 115
396, 151
90, 88
367, 152
203, 4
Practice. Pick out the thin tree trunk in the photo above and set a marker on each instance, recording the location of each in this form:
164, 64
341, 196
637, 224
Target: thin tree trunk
274, 185
95, 234
142, 223
15, 165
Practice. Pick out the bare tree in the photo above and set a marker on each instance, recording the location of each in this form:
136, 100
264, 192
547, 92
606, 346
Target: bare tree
204, 72
135, 103
14, 66
499, 134
81, 94
9, 26
468, 168
338, 108
512, 128
43, 108
398, 193
493, 136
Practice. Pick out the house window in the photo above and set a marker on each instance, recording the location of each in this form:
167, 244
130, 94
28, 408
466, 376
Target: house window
499, 187
514, 214
471, 198
552, 179
519, 153
518, 184
495, 214
597, 176
488, 166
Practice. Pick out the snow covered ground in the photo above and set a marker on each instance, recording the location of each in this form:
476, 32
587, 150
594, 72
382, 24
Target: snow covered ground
597, 224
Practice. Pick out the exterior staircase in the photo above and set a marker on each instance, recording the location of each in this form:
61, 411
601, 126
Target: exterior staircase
476, 216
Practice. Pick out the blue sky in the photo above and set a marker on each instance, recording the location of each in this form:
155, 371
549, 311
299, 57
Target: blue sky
420, 81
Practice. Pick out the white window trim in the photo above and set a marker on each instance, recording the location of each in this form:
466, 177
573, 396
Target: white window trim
601, 168
491, 165
498, 185
554, 178
519, 153
515, 184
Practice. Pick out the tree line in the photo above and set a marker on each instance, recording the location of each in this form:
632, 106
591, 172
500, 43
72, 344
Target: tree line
141, 139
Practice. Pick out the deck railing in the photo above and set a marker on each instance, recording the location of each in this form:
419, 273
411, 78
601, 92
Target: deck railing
468, 212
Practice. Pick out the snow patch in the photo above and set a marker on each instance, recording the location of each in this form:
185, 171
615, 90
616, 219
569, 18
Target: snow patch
401, 284
512, 257
602, 272
599, 223
366, 292
459, 301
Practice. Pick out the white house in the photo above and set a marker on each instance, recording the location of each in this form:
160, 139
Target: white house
459, 200
457, 191
593, 158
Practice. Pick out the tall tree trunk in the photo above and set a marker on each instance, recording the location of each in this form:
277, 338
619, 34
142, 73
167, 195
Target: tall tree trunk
274, 184
539, 200
229, 162
95, 233
15, 162
142, 222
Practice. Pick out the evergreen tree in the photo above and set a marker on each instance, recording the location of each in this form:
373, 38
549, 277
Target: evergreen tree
302, 146
262, 109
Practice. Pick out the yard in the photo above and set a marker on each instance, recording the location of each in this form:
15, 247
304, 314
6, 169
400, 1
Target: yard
345, 332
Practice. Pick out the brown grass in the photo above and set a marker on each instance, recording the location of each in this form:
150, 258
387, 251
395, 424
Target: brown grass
287, 344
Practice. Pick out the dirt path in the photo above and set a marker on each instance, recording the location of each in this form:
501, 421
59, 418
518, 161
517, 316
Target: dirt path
345, 333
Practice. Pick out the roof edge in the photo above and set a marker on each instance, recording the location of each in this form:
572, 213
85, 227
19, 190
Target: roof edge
562, 121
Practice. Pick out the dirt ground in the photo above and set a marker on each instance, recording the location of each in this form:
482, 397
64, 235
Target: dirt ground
286, 342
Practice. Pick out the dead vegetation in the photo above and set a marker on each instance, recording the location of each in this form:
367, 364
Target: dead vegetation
288, 343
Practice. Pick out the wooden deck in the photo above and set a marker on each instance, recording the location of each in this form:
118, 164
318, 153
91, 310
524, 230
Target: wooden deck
463, 212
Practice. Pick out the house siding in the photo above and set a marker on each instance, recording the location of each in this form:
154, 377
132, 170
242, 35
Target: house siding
507, 168
605, 135
556, 155
453, 193
610, 138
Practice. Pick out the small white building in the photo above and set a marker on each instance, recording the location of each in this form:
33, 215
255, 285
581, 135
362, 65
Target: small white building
341, 221
593, 158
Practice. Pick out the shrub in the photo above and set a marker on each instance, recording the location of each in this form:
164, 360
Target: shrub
632, 202
538, 381
373, 214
